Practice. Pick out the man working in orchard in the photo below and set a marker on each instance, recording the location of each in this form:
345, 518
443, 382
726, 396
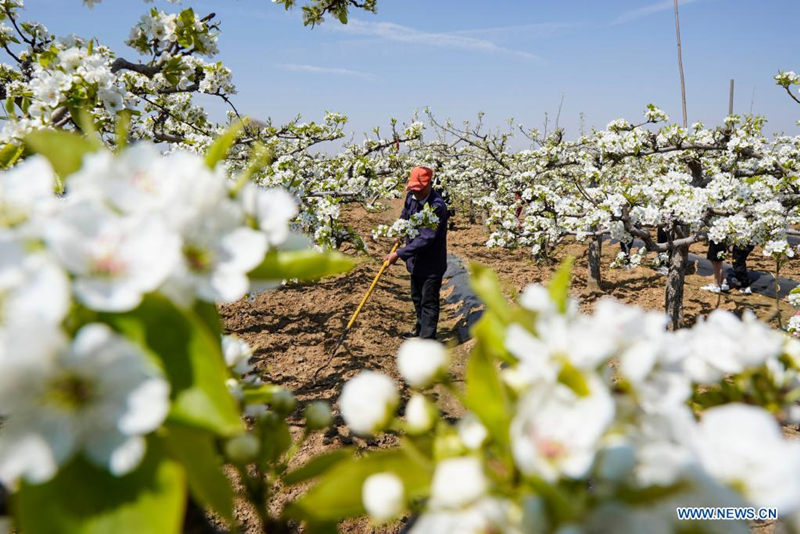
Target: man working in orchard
426, 254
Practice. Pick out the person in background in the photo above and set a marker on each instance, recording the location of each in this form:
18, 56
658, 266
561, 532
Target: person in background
426, 254
716, 253
741, 278
627, 248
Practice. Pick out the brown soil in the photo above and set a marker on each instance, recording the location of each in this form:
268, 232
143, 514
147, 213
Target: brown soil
294, 329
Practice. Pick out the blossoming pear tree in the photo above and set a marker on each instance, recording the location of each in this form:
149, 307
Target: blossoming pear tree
728, 184
78, 84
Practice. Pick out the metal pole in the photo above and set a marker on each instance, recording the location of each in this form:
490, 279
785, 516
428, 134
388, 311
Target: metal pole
730, 100
680, 63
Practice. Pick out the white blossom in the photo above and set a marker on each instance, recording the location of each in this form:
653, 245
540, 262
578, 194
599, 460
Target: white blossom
422, 361
743, 446
383, 496
458, 482
115, 260
471, 431
557, 433
420, 414
98, 395
368, 402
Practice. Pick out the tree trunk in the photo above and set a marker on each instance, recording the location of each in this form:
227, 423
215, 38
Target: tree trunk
673, 302
595, 253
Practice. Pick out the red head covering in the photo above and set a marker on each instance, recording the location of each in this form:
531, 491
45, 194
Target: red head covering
419, 179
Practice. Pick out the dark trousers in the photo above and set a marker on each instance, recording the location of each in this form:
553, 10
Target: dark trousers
425, 295
626, 246
740, 264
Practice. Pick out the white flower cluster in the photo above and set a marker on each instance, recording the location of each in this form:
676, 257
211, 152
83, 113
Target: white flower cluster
787, 78
369, 400
74, 75
56, 77
626, 261
127, 226
97, 394
625, 429
408, 228
793, 326
655, 114
778, 248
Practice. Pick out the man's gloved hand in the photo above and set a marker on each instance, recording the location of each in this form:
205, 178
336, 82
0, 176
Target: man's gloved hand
391, 258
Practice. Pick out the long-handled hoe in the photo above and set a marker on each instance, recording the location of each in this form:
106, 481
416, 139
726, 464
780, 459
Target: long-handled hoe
353, 318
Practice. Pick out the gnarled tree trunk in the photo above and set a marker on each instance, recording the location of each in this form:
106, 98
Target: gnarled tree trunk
673, 302
595, 253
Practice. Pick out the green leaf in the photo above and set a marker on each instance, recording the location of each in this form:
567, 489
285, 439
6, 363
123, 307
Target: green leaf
275, 437
9, 154
338, 493
492, 330
197, 451
85, 499
259, 394
573, 379
173, 70
486, 285
485, 395
559, 284
86, 123
260, 158
65, 151
317, 466
122, 128
192, 359
207, 312
9, 105
301, 264
222, 144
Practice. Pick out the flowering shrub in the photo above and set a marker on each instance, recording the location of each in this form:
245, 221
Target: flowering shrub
605, 422
114, 376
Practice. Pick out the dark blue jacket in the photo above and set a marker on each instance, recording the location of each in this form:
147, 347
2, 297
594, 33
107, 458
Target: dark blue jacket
426, 254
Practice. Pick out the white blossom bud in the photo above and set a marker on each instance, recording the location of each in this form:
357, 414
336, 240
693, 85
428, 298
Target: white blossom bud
368, 402
283, 401
420, 414
458, 482
242, 449
383, 496
318, 415
422, 361
471, 432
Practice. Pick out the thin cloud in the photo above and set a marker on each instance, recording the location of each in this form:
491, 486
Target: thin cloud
294, 67
403, 34
541, 29
645, 11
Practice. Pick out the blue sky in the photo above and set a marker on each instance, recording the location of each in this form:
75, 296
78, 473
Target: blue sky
507, 58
